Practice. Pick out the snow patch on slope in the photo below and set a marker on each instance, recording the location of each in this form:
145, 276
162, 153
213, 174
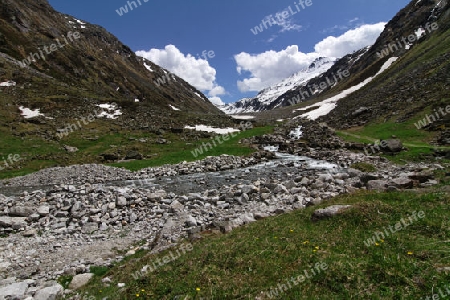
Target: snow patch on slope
29, 113
212, 129
326, 106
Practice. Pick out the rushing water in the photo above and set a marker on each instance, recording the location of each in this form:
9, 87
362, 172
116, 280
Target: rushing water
282, 168
286, 165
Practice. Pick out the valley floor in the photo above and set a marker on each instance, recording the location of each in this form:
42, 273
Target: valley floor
124, 227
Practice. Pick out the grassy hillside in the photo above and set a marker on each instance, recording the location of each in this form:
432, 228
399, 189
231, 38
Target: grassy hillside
37, 153
418, 142
253, 260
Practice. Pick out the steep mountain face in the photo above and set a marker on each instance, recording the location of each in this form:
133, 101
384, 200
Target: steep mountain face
418, 39
66, 67
415, 85
275, 95
417, 81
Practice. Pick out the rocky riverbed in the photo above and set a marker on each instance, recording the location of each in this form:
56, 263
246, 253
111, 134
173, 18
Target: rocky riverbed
61, 221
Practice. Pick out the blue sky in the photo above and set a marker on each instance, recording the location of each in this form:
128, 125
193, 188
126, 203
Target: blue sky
174, 34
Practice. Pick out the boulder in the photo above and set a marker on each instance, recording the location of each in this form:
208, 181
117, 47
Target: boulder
50, 293
70, 149
391, 145
133, 155
14, 291
378, 185
80, 280
328, 212
360, 111
43, 210
109, 156
403, 183
21, 211
15, 223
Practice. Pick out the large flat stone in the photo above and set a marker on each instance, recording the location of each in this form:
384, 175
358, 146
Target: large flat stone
21, 211
403, 183
49, 293
14, 290
80, 280
15, 222
378, 185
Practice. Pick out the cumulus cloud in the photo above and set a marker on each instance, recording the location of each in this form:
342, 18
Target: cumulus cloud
197, 72
271, 67
350, 41
216, 101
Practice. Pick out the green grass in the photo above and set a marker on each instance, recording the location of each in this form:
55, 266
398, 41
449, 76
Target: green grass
417, 141
252, 259
38, 154
364, 167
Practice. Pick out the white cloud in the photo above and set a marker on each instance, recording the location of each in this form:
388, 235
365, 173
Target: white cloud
216, 101
350, 41
271, 67
197, 72
216, 91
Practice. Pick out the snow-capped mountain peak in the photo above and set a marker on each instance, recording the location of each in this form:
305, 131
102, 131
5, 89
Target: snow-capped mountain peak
269, 98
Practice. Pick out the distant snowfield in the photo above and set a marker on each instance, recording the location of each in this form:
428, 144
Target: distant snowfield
212, 129
241, 117
173, 107
110, 111
271, 93
327, 105
28, 113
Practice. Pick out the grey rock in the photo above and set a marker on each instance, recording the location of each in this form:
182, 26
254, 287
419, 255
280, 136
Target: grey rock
190, 221
50, 293
133, 155
80, 280
378, 185
20, 211
121, 201
103, 226
403, 183
391, 145
43, 210
328, 212
15, 223
90, 227
4, 266
70, 149
325, 178
14, 290
280, 189
29, 233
